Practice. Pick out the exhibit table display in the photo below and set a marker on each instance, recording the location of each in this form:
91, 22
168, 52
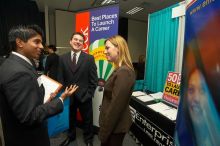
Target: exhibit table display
153, 120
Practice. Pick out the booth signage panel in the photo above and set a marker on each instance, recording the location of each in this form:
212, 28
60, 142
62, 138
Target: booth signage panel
172, 88
97, 25
198, 117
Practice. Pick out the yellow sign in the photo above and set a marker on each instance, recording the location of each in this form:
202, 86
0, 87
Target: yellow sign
172, 88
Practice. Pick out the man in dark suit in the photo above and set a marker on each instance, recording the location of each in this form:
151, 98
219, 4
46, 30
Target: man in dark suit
52, 62
22, 110
2, 59
77, 67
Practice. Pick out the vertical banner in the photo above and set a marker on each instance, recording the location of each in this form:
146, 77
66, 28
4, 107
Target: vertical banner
98, 25
198, 117
103, 24
83, 26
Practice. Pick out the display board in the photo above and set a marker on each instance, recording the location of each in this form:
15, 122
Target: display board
198, 117
97, 25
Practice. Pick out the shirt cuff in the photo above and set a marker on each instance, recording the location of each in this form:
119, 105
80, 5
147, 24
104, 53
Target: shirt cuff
61, 99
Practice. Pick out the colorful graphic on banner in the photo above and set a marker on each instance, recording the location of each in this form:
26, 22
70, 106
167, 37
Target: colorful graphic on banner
97, 25
198, 117
103, 22
171, 90
104, 68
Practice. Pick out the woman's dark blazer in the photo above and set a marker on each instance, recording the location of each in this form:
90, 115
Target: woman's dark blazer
115, 116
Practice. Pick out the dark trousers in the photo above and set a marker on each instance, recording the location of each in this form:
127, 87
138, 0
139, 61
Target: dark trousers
114, 140
87, 117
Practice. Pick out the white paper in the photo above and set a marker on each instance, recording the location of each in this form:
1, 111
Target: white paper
138, 93
159, 107
50, 86
39, 81
171, 113
145, 98
157, 95
165, 110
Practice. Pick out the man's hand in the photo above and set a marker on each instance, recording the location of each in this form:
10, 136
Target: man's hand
69, 91
52, 95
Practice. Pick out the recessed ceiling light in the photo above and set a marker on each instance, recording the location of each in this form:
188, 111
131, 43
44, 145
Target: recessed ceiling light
104, 2
134, 10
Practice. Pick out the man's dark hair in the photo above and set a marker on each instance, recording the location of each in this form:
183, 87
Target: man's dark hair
53, 47
78, 33
24, 33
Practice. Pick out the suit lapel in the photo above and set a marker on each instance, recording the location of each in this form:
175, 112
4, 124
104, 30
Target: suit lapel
79, 63
24, 63
69, 62
80, 60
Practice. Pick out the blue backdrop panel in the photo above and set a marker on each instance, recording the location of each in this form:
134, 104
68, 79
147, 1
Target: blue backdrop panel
198, 117
60, 122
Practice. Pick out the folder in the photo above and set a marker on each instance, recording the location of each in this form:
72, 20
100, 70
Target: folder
50, 86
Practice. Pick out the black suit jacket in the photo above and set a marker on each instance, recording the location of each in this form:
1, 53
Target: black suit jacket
2, 59
51, 67
84, 75
22, 110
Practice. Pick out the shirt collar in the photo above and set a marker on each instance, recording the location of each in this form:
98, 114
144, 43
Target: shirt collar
23, 57
77, 53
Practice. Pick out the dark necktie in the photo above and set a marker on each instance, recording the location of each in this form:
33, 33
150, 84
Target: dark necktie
74, 60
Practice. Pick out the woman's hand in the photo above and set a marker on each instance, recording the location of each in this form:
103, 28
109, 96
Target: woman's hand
69, 91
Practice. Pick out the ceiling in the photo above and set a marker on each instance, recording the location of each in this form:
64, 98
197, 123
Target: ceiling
149, 6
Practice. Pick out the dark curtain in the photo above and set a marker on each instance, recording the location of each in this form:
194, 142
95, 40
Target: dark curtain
17, 12
123, 27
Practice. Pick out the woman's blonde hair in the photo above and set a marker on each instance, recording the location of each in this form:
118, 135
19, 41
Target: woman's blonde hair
124, 55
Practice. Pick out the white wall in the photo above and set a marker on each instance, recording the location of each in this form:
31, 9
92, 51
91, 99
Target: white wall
137, 38
65, 26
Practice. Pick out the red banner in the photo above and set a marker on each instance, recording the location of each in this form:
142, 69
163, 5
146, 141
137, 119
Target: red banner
83, 26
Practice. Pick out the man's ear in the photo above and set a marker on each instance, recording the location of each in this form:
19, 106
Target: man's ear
70, 43
19, 42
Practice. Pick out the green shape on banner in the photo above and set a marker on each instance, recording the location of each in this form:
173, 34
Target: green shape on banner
108, 71
100, 67
104, 68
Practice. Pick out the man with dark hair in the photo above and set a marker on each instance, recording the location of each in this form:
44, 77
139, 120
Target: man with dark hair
77, 67
22, 110
52, 62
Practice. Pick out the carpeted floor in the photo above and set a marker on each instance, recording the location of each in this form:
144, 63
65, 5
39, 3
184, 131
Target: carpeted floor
56, 140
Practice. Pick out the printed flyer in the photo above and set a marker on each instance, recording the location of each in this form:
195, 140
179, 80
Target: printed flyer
171, 90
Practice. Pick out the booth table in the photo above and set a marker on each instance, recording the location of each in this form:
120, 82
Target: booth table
150, 127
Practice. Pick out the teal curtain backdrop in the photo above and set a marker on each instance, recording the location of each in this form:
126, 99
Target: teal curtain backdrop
161, 48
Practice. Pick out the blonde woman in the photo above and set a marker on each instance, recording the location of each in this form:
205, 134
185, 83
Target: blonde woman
115, 117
